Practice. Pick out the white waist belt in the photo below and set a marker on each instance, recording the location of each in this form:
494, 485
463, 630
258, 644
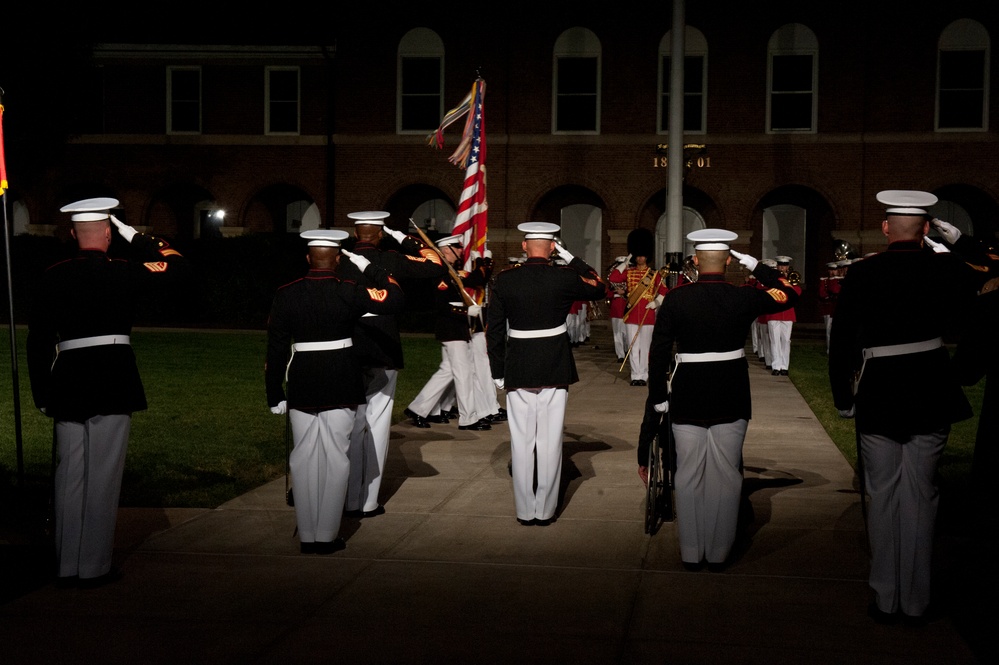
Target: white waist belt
84, 342
532, 334
331, 345
706, 357
710, 356
894, 350
902, 349
366, 314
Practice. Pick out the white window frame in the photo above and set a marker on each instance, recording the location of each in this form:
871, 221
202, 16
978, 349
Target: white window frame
964, 35
268, 101
694, 45
576, 43
793, 39
419, 43
170, 98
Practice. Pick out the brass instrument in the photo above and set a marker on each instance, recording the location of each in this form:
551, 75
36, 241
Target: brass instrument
690, 270
844, 250
794, 277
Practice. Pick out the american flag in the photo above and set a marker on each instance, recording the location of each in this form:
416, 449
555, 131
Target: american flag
470, 221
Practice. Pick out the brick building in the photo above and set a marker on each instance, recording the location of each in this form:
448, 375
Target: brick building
798, 114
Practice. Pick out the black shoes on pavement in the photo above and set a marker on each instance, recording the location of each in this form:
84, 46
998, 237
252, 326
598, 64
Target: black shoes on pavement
418, 420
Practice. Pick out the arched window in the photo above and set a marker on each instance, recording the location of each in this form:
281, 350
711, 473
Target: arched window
421, 81
792, 79
963, 77
695, 82
576, 83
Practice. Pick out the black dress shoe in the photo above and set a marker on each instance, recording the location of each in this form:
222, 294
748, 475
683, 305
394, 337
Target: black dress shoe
478, 426
783, 372
95, 582
526, 522
497, 418
550, 520
441, 419
380, 510
353, 513
331, 547
418, 420
774, 372
67, 582
880, 617
635, 382
717, 567
692, 567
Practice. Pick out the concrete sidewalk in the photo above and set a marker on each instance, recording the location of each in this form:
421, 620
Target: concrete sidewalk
448, 575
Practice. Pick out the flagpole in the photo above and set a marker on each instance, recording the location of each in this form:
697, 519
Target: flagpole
10, 301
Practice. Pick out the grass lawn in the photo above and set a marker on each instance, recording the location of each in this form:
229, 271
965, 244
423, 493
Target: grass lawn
207, 436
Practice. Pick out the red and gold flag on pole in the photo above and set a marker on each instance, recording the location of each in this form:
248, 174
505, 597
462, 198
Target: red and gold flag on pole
470, 219
3, 161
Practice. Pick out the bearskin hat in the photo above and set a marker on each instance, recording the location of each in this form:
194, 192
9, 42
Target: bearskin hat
641, 242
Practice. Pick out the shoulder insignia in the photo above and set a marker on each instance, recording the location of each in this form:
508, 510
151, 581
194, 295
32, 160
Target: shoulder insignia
418, 259
777, 295
378, 295
442, 286
169, 252
158, 266
431, 255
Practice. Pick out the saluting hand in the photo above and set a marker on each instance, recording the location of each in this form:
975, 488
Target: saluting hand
745, 260
126, 231
358, 260
949, 232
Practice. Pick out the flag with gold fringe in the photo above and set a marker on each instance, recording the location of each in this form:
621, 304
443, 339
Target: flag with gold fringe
471, 217
3, 161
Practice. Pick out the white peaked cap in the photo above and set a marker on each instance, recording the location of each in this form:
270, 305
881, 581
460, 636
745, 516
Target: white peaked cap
324, 237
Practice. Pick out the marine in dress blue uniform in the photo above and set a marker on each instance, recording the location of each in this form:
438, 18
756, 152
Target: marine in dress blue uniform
889, 330
531, 358
379, 349
84, 376
310, 347
708, 395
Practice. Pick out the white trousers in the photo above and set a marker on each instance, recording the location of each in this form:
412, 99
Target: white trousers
320, 467
486, 403
457, 365
780, 343
827, 319
369, 439
87, 487
901, 517
765, 351
620, 337
639, 358
535, 417
708, 489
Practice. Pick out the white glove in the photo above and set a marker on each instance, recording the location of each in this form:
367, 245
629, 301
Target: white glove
488, 254
280, 409
653, 305
662, 407
474, 310
949, 232
126, 231
399, 236
847, 413
563, 253
745, 260
937, 247
624, 264
356, 259
474, 254
499, 383
43, 411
